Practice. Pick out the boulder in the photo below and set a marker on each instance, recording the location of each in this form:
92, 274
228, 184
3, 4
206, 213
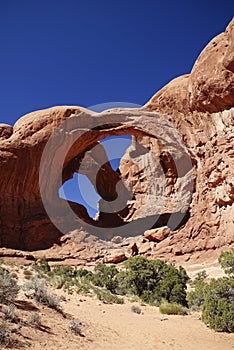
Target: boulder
157, 234
115, 256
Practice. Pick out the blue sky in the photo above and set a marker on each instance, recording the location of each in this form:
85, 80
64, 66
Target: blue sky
79, 189
91, 52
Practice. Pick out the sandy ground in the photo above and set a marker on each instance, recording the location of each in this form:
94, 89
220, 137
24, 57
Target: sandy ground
115, 327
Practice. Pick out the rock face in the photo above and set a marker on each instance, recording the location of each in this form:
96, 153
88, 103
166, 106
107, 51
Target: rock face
47, 147
177, 173
200, 106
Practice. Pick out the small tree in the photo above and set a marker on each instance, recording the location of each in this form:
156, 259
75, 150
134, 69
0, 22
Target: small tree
196, 296
226, 260
104, 276
153, 280
218, 307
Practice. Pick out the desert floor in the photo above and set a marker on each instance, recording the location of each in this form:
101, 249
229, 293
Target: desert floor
116, 327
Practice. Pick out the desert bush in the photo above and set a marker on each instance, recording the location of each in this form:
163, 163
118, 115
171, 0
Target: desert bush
83, 287
57, 281
36, 290
8, 287
172, 309
75, 327
196, 296
10, 313
218, 307
28, 274
107, 297
134, 299
42, 266
226, 260
64, 270
6, 338
62, 298
104, 276
136, 309
152, 280
14, 275
215, 299
70, 278
34, 319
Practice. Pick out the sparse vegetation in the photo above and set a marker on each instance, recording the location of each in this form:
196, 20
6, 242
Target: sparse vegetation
75, 327
149, 280
36, 290
136, 309
139, 279
34, 319
107, 297
172, 309
10, 313
71, 279
6, 338
8, 287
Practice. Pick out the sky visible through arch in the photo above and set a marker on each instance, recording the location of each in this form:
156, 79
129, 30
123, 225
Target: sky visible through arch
79, 189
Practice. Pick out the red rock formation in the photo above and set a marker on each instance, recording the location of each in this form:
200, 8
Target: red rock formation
194, 176
47, 147
200, 106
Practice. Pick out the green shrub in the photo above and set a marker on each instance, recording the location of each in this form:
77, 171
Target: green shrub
70, 278
196, 296
43, 266
8, 287
107, 297
218, 307
83, 287
104, 276
226, 260
172, 309
152, 281
57, 281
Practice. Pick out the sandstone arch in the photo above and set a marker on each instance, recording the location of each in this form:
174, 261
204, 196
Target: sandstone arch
198, 106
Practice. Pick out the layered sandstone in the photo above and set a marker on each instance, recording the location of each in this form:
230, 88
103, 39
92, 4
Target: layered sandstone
200, 106
47, 147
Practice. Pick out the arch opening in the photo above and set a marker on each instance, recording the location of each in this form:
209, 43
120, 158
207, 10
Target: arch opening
80, 189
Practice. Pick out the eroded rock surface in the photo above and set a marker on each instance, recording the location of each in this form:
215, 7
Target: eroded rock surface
47, 147
178, 172
200, 106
